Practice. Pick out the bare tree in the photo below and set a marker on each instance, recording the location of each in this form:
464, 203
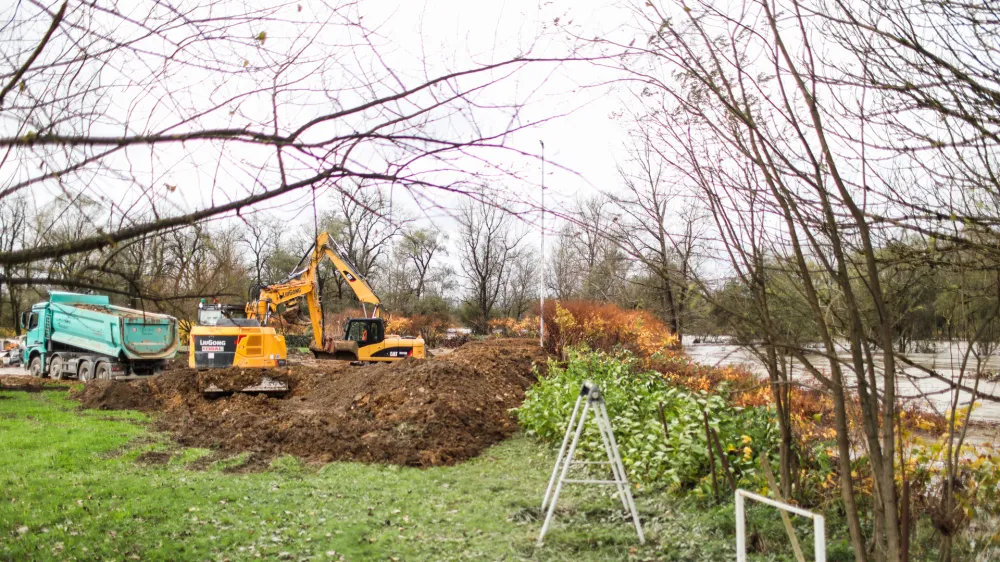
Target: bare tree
487, 244
746, 106
261, 238
365, 228
110, 105
755, 303
14, 235
564, 276
520, 291
419, 248
650, 229
605, 268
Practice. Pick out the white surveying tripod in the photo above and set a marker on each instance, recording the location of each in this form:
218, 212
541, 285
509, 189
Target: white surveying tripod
592, 399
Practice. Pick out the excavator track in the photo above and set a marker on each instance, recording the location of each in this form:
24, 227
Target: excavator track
267, 386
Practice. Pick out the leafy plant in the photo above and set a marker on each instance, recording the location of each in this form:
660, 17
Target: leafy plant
677, 456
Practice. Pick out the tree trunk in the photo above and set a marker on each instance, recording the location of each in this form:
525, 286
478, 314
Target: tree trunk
670, 307
15, 313
846, 482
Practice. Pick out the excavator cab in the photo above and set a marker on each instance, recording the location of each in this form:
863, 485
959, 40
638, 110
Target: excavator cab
365, 341
365, 331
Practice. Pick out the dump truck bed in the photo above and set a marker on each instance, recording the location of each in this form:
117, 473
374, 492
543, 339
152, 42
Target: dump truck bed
111, 330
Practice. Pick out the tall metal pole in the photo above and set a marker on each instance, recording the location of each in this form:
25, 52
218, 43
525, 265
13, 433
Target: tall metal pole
541, 276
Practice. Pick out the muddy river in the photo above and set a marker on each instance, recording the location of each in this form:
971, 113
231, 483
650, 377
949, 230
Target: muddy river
914, 384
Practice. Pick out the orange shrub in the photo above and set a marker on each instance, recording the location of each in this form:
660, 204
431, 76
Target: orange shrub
399, 325
503, 326
603, 326
511, 327
431, 327
606, 327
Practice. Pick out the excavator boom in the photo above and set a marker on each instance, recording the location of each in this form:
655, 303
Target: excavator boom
357, 283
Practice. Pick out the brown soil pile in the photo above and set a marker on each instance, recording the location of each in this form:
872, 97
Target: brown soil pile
413, 412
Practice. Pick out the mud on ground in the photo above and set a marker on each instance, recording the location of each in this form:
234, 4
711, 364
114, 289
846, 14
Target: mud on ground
416, 412
24, 383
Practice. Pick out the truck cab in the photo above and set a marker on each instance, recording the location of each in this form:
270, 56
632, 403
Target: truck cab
32, 322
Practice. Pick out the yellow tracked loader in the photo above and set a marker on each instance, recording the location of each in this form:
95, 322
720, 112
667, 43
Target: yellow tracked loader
225, 338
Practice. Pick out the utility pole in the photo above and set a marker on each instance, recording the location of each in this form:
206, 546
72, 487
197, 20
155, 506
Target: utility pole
541, 275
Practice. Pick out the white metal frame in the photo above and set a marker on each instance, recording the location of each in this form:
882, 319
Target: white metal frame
592, 400
819, 524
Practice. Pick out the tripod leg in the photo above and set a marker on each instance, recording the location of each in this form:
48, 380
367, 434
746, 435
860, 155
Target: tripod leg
565, 471
562, 451
605, 428
628, 491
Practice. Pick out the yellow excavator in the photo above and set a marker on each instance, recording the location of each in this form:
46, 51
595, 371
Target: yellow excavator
224, 338
364, 340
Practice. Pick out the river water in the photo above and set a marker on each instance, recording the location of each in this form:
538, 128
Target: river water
925, 391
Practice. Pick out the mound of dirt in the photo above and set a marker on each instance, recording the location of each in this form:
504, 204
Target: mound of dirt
417, 412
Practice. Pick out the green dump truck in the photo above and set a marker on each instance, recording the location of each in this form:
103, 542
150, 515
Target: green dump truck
86, 337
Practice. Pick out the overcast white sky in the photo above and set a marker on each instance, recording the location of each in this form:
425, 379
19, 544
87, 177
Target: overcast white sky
414, 39
582, 148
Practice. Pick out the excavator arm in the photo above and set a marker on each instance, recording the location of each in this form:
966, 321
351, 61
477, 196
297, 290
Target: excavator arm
305, 285
269, 298
357, 283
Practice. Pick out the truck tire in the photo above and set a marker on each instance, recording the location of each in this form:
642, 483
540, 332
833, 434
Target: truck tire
103, 372
35, 367
55, 367
86, 372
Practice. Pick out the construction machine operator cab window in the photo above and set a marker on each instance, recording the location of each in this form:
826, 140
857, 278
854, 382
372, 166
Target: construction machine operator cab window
224, 315
208, 317
365, 332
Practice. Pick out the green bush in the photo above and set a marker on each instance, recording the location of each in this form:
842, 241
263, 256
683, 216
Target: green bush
633, 397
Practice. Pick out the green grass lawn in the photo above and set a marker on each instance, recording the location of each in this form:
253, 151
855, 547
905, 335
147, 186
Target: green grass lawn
71, 488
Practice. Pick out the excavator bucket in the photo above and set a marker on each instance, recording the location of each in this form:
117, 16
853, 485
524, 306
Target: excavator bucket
344, 350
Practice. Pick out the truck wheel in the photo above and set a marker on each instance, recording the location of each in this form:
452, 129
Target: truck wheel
86, 372
55, 368
35, 367
103, 371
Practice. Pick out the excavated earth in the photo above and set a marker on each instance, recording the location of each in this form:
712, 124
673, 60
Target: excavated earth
417, 412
